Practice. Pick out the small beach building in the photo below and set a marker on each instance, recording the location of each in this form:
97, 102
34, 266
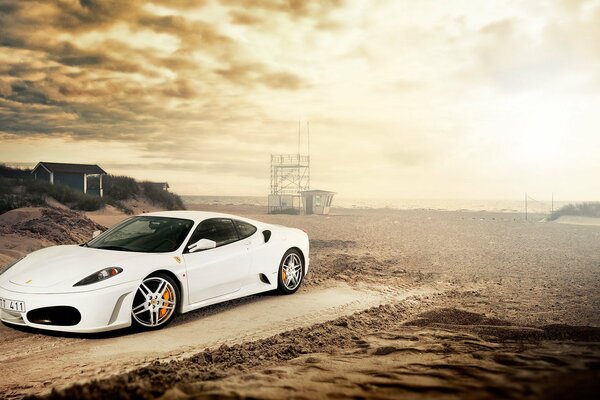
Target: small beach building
160, 185
73, 175
316, 201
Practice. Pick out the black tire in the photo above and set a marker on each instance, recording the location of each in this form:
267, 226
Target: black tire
143, 319
284, 285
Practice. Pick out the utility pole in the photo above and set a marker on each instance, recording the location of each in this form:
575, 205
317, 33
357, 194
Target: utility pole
525, 206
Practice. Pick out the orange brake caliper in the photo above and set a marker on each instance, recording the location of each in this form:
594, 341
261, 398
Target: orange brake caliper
283, 274
163, 311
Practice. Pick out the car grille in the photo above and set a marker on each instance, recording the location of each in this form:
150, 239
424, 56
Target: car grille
58, 315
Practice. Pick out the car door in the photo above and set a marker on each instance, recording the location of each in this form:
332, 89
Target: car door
219, 271
248, 235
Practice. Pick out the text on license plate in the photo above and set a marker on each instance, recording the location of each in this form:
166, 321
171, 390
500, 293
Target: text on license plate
12, 305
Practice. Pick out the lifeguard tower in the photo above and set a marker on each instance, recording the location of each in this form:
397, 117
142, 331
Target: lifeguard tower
290, 184
290, 175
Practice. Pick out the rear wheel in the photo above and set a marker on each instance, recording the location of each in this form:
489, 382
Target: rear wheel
155, 302
291, 272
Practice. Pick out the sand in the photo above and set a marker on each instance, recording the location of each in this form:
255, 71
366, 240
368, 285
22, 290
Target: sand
107, 216
28, 229
411, 304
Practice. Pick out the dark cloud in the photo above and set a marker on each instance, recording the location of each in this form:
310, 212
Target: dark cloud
253, 74
85, 15
265, 11
71, 55
180, 88
28, 93
193, 34
282, 80
181, 4
5, 88
292, 8
241, 17
32, 23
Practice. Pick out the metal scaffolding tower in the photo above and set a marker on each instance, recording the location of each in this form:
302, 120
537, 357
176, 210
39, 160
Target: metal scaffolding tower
290, 175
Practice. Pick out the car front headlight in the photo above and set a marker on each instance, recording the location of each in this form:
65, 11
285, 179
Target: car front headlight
100, 276
7, 267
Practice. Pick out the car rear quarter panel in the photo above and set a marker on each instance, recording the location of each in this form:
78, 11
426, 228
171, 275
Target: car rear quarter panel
268, 255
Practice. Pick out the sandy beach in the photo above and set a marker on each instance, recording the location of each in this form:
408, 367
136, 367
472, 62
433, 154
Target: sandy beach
409, 304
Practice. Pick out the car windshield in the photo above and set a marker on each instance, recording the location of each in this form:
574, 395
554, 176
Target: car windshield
146, 234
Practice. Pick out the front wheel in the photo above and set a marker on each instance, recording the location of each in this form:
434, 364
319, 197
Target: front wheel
291, 272
155, 302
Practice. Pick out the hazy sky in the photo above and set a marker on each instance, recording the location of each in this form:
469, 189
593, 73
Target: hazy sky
406, 99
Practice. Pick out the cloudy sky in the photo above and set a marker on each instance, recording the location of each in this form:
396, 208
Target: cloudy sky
406, 99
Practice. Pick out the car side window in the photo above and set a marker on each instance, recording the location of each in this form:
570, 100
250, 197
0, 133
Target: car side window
244, 229
221, 230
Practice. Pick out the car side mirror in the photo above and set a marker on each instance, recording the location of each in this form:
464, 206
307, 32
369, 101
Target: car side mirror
202, 244
95, 234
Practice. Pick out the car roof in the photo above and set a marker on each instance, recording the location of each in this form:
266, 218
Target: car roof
197, 215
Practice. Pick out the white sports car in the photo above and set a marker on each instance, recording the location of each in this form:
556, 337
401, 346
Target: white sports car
148, 268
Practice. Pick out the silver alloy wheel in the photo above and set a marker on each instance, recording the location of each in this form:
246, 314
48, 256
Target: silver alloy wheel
291, 271
154, 302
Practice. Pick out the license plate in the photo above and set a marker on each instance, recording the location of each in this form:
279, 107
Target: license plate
12, 305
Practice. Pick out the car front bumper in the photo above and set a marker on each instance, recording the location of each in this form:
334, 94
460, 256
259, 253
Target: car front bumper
100, 310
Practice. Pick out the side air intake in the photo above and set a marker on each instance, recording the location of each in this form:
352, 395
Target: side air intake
263, 278
267, 235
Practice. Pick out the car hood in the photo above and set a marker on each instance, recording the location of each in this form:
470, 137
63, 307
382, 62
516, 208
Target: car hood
63, 266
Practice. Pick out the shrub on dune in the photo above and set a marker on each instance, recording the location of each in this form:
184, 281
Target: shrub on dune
161, 197
587, 209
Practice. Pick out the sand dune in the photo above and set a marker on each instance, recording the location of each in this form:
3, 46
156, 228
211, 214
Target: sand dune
28, 229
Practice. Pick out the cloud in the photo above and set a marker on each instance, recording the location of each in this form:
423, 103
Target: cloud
266, 13
29, 93
180, 88
517, 58
406, 155
251, 74
181, 4
5, 88
318, 9
192, 34
242, 17
63, 73
85, 15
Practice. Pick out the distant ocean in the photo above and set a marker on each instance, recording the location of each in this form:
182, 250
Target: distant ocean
542, 207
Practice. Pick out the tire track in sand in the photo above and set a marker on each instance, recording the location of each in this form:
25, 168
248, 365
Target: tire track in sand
34, 362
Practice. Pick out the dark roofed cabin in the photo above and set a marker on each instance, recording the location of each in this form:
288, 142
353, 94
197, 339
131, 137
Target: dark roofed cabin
74, 176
